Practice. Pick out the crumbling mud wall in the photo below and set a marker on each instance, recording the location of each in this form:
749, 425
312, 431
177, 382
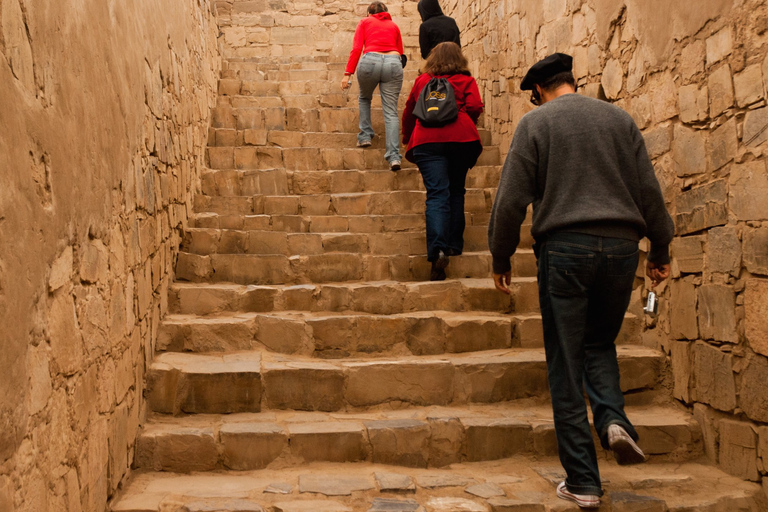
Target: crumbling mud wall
694, 76
104, 109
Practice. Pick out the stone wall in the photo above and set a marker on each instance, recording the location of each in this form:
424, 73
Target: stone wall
694, 77
104, 110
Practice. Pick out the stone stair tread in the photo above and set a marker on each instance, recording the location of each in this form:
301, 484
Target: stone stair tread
528, 483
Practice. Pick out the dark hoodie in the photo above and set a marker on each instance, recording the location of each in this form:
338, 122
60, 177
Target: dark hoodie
435, 27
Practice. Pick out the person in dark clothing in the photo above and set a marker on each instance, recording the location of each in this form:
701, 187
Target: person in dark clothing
583, 164
435, 27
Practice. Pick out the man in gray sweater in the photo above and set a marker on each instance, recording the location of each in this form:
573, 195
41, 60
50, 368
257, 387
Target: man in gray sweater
584, 166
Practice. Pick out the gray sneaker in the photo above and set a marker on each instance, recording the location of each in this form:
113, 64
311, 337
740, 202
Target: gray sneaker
582, 500
624, 447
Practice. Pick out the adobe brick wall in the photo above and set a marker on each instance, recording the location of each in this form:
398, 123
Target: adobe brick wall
104, 109
694, 77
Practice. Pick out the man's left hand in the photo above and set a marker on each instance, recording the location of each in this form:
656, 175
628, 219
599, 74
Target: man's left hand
502, 282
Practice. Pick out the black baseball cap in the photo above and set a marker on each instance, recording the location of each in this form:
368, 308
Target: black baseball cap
546, 68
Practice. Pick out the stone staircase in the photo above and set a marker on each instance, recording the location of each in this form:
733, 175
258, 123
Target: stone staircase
308, 365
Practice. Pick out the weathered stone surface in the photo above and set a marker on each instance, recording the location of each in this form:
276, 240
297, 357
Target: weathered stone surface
613, 79
680, 354
688, 254
753, 379
328, 441
723, 250
399, 442
251, 446
702, 207
61, 270
719, 45
756, 127
694, 103
308, 386
394, 482
756, 250
713, 376
516, 505
446, 440
717, 313
738, 449
332, 485
486, 490
393, 505
748, 194
748, 85
438, 480
455, 505
755, 313
311, 506
223, 505
689, 151
628, 502
723, 145
658, 141
720, 90
683, 325
692, 59
488, 439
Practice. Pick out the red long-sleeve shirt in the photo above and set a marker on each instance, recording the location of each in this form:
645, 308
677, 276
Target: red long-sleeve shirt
470, 105
376, 33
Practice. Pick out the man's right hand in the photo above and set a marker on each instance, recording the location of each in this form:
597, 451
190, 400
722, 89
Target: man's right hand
502, 281
657, 273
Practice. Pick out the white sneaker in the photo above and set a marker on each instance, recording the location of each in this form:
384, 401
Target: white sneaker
624, 447
394, 165
582, 500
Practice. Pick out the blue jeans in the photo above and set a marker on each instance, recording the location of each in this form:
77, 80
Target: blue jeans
585, 283
386, 72
443, 167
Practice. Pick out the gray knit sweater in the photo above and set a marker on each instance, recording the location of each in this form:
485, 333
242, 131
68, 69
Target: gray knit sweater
582, 162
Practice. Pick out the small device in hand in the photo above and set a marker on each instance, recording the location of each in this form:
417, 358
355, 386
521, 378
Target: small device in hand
652, 304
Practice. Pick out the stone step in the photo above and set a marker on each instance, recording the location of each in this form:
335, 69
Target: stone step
331, 223
336, 267
402, 202
230, 137
520, 484
323, 78
314, 159
275, 117
334, 335
229, 241
379, 297
425, 437
254, 381
281, 182
315, 100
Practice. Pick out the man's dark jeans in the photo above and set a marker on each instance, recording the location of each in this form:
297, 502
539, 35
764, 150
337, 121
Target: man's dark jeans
585, 283
444, 167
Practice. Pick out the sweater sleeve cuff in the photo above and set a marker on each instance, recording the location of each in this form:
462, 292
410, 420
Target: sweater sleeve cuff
659, 254
501, 265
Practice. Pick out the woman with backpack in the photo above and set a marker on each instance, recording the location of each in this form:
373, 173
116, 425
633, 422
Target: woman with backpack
379, 41
439, 129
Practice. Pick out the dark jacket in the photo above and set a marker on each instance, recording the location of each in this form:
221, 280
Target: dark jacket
583, 164
435, 27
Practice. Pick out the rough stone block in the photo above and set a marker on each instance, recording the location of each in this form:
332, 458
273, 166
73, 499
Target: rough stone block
689, 151
720, 90
748, 195
61, 270
658, 141
724, 250
717, 313
328, 441
399, 442
752, 398
418, 383
719, 45
683, 325
184, 450
612, 79
755, 249
491, 439
755, 132
307, 387
630, 502
748, 86
738, 449
249, 446
702, 207
713, 377
688, 253
755, 313
311, 506
723, 145
692, 59
680, 355
332, 485
694, 103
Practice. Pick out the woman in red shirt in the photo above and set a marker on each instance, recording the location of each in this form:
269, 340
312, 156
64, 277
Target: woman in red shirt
379, 40
445, 154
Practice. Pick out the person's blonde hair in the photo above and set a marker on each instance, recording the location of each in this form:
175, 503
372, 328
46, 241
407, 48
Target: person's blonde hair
447, 59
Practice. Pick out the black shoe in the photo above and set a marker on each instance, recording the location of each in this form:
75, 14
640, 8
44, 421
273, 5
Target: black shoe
442, 260
437, 274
